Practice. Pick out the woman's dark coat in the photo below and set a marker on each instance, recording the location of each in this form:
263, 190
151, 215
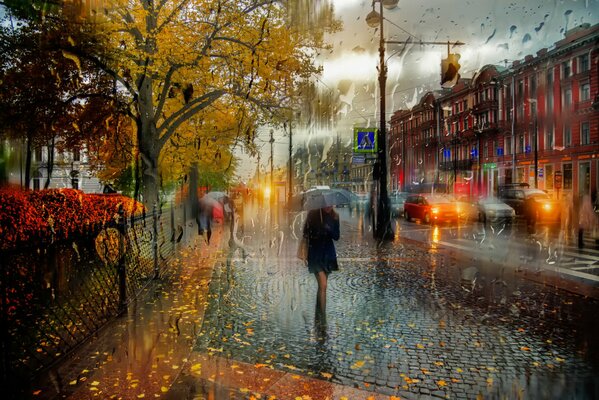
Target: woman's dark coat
321, 229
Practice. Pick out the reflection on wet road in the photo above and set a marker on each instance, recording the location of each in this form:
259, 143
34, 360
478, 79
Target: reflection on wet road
401, 318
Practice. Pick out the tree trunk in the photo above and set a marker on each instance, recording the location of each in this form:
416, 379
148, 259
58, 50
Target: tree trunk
28, 159
50, 164
149, 148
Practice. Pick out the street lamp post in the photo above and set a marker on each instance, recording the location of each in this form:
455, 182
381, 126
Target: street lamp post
383, 218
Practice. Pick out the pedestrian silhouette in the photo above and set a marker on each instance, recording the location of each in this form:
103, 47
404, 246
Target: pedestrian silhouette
321, 228
204, 216
586, 218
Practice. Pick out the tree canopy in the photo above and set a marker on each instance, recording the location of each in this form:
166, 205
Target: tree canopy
196, 77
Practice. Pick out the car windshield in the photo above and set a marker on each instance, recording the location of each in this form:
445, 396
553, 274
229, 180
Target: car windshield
438, 200
540, 196
491, 200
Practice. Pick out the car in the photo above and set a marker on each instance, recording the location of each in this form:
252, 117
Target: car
430, 208
396, 202
534, 205
493, 211
467, 208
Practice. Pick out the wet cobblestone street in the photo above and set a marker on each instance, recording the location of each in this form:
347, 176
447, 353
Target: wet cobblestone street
403, 319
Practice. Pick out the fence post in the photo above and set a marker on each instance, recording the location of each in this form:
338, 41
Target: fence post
173, 233
155, 241
122, 267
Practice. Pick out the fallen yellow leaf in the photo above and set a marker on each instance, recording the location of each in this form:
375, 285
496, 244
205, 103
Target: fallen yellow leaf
37, 392
196, 367
420, 346
326, 375
357, 364
164, 389
524, 348
95, 383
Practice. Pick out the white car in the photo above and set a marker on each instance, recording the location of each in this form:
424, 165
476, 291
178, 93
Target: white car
492, 210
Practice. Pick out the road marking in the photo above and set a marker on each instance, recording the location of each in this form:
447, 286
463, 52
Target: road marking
585, 268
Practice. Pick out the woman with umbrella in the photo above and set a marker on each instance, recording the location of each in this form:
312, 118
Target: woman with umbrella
320, 229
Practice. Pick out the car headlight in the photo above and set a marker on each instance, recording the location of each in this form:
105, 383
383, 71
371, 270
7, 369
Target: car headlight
547, 207
491, 212
435, 210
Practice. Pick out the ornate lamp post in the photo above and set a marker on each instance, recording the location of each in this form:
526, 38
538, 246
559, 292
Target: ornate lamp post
382, 219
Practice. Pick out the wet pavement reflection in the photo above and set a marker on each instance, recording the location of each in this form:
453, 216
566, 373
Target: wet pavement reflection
402, 318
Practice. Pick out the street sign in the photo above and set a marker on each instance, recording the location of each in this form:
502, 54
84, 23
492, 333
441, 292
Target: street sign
557, 179
358, 160
489, 165
500, 151
540, 172
365, 140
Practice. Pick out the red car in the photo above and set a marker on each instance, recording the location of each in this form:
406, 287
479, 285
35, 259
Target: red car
430, 208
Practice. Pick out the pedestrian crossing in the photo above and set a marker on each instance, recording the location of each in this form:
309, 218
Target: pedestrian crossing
564, 259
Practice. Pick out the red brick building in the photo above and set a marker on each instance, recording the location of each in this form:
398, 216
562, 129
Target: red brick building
540, 113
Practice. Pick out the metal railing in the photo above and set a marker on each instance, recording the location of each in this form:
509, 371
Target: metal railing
56, 297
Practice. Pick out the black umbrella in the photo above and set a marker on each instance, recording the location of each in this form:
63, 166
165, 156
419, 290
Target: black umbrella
320, 198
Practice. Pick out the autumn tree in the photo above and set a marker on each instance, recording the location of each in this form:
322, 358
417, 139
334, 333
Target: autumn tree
49, 96
175, 59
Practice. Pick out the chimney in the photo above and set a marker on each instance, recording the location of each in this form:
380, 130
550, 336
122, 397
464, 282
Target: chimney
542, 52
528, 58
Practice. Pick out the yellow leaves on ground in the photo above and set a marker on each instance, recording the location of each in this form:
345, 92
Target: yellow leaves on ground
441, 383
326, 375
524, 348
357, 365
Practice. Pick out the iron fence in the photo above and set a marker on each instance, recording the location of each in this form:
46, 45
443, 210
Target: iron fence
56, 297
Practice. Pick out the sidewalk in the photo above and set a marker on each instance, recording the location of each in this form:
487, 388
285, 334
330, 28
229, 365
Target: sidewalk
230, 327
141, 353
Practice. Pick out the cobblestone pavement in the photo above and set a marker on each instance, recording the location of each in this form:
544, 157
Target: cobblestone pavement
403, 319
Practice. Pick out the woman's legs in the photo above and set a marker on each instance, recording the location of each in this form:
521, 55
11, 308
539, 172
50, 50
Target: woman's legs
321, 296
320, 317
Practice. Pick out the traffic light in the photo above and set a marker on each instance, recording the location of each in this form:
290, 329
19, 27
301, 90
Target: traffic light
449, 70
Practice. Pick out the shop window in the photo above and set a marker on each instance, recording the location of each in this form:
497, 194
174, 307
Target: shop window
549, 176
567, 176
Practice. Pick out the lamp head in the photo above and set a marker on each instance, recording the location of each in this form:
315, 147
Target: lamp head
373, 19
389, 4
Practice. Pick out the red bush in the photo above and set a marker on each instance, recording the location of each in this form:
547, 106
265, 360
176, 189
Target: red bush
54, 214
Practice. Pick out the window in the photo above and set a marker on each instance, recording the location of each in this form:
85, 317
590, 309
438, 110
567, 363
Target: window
533, 86
37, 155
567, 97
567, 176
585, 92
76, 155
583, 63
566, 69
521, 147
567, 136
585, 133
466, 124
549, 139
508, 145
549, 176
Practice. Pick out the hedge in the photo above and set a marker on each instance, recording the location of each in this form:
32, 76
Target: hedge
38, 217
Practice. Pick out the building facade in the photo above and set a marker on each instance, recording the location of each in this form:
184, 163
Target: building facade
536, 121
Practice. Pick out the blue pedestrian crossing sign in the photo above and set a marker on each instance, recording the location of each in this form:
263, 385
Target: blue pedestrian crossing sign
365, 140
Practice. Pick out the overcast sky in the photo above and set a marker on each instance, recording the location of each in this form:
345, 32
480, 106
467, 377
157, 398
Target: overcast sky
493, 30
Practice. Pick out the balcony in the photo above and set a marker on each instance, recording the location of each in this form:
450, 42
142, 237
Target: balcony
459, 165
485, 106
